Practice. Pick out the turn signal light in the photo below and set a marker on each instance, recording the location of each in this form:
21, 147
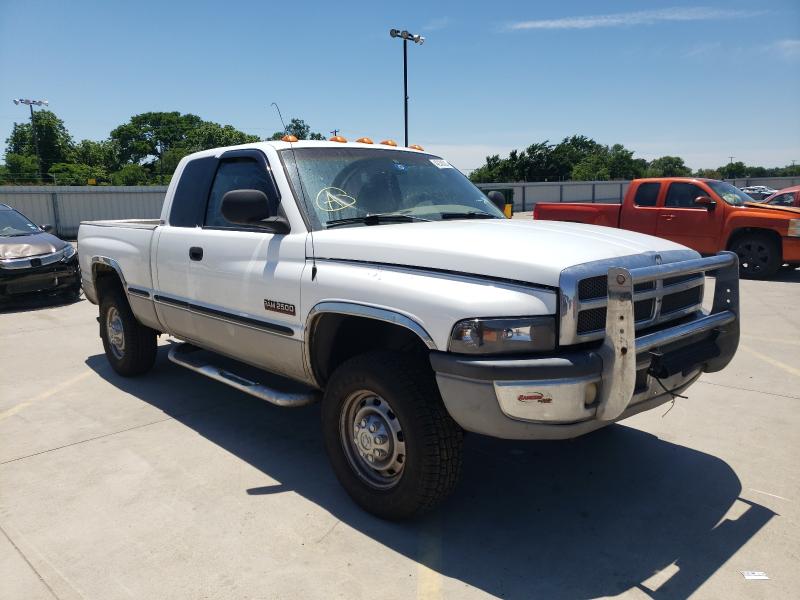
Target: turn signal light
389, 143
288, 138
338, 138
364, 140
416, 147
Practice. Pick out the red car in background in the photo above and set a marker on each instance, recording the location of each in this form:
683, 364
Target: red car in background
786, 197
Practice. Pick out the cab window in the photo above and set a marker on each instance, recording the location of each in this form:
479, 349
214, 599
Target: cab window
783, 200
647, 194
237, 174
682, 195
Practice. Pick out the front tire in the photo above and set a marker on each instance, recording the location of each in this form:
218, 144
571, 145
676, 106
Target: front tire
759, 256
130, 346
393, 446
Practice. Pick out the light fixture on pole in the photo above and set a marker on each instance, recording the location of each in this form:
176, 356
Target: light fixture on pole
417, 39
30, 104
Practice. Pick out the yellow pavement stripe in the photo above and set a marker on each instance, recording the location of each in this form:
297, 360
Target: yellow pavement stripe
44, 395
13, 410
776, 363
429, 581
760, 338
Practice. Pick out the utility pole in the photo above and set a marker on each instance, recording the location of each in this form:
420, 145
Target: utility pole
30, 104
417, 39
730, 171
335, 132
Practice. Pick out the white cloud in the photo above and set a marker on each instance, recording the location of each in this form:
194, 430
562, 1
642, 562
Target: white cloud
641, 17
436, 24
787, 48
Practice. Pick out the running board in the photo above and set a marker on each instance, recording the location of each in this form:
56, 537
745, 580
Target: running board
180, 354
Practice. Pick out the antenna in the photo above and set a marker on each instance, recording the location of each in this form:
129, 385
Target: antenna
280, 116
302, 192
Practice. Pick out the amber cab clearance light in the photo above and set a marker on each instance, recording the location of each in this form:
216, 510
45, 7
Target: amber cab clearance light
364, 140
288, 138
389, 143
416, 147
338, 138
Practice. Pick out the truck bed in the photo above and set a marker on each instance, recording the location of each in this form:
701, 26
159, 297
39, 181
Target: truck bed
579, 212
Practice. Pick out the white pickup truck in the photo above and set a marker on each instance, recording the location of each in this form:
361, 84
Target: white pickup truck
380, 281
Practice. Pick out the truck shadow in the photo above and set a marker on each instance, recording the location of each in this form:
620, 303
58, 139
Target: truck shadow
590, 517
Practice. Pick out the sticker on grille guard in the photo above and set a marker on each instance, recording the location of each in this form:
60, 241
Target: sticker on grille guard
534, 397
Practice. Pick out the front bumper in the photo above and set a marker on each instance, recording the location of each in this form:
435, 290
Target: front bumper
56, 277
572, 393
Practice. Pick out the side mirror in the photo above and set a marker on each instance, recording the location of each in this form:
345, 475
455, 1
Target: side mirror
706, 202
497, 199
47, 228
251, 208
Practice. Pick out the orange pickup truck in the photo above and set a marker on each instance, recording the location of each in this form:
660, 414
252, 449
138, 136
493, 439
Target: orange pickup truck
703, 214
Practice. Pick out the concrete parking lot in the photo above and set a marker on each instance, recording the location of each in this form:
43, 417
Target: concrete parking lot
174, 486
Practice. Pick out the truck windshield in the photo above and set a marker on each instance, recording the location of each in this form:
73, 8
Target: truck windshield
13, 224
346, 185
731, 194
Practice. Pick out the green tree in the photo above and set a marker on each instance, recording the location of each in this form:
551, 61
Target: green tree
130, 174
104, 154
594, 167
732, 170
146, 137
51, 137
77, 174
21, 168
668, 166
299, 129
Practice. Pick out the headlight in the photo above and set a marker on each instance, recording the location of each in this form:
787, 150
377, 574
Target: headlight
794, 228
69, 252
503, 336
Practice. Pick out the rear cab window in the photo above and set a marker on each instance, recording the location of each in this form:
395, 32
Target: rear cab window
647, 194
189, 201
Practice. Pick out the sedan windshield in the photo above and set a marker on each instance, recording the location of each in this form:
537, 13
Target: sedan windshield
13, 224
365, 186
731, 194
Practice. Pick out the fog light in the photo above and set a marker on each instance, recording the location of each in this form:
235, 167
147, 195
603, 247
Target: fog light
590, 394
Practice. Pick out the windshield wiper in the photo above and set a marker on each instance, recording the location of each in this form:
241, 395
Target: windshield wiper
473, 214
376, 219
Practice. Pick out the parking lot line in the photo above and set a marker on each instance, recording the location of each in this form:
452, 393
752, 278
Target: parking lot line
13, 410
772, 361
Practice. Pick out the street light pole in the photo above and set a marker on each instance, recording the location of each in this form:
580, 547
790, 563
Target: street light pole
417, 39
30, 104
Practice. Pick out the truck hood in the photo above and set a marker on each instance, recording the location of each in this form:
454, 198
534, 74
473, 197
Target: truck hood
770, 209
522, 250
29, 245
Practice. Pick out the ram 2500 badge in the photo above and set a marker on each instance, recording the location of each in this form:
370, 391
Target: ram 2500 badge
379, 281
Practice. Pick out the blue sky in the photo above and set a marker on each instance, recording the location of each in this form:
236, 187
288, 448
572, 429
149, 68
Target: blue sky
703, 81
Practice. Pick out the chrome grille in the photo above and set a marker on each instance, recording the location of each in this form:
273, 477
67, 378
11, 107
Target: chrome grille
584, 291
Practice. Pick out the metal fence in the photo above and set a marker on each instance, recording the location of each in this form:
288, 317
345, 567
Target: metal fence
65, 207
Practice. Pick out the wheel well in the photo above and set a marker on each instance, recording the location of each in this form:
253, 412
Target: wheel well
336, 338
739, 233
106, 279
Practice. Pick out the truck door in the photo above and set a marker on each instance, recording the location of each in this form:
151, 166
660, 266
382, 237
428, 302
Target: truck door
687, 223
244, 282
641, 214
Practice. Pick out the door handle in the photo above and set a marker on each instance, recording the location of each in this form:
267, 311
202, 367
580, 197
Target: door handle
667, 216
196, 253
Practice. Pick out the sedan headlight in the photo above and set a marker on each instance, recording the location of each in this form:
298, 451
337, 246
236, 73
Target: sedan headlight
503, 336
794, 228
69, 252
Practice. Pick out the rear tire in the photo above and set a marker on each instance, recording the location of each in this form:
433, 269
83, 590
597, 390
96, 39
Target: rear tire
130, 346
385, 407
759, 256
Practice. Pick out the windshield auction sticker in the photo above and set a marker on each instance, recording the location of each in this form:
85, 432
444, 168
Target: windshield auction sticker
332, 199
441, 163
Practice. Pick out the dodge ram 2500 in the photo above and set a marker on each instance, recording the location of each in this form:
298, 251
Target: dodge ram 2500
704, 214
380, 281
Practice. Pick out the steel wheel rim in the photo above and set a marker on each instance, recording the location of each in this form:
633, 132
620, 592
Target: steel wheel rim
115, 332
372, 439
753, 256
